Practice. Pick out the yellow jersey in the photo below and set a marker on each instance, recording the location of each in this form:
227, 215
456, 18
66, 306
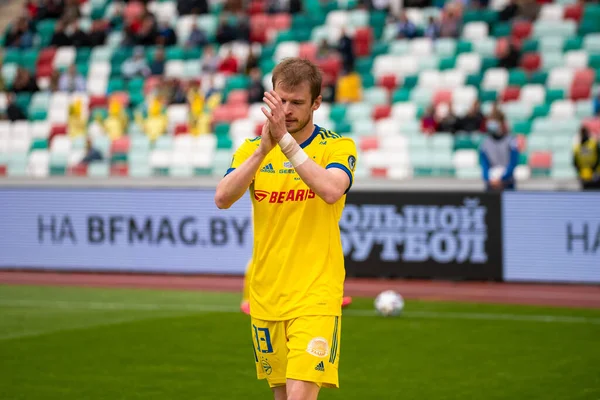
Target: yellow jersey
298, 261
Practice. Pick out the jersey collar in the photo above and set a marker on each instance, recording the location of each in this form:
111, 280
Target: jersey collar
311, 137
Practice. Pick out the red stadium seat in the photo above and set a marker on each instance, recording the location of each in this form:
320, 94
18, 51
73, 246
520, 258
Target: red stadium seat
120, 145
98, 101
44, 70
585, 76
308, 50
119, 169
501, 46
281, 21
593, 124
57, 129
2, 170
521, 29
151, 83
574, 12
331, 66
256, 7
580, 91
531, 62
540, 160
369, 143
46, 56
388, 81
258, 129
133, 10
181, 129
442, 96
379, 172
511, 93
239, 111
78, 170
363, 40
239, 96
382, 111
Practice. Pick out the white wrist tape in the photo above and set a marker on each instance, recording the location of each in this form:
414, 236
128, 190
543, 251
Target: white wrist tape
287, 144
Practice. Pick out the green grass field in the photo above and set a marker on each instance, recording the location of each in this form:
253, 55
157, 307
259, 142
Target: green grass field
82, 343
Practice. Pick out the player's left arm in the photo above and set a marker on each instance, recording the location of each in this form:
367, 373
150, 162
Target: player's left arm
329, 183
333, 181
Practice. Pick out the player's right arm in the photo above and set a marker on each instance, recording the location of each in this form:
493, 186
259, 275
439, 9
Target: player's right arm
246, 161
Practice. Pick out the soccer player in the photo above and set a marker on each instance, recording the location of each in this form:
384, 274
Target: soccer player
298, 174
245, 305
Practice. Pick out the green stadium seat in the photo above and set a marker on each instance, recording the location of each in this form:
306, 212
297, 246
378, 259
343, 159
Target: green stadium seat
11, 56
523, 127
517, 77
539, 77
337, 112
368, 80
487, 95
530, 45
540, 110
501, 29
445, 47
410, 81
463, 46
39, 144
573, 43
554, 94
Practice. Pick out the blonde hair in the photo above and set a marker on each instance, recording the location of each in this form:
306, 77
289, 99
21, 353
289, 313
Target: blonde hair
292, 72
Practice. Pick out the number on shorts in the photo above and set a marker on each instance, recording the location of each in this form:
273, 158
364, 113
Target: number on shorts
263, 339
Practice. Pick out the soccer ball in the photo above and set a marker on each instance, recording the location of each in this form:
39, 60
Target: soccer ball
389, 303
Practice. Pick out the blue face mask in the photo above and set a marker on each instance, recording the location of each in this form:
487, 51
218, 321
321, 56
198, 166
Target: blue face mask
493, 127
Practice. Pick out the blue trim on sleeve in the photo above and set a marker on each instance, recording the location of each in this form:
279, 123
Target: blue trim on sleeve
343, 168
512, 164
485, 165
311, 138
230, 170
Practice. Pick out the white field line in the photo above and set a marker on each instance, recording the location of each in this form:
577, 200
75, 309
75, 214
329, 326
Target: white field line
103, 306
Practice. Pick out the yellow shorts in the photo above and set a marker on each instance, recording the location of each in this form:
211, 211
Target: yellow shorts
305, 348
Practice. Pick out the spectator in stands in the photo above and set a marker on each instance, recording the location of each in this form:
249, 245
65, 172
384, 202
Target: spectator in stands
256, 89
210, 60
586, 160
349, 87
194, 7
175, 92
428, 122
13, 111
242, 27
498, 155
20, 34
405, 28
78, 37
155, 124
91, 154
116, 122
54, 79
450, 24
98, 33
157, 66
509, 59
166, 35
251, 61
432, 31
346, 50
50, 9
234, 6
229, 64
77, 120
446, 119
136, 65
60, 38
197, 38
323, 50
212, 94
509, 11
528, 10
71, 81
24, 82
71, 12
472, 121
226, 32
295, 6
597, 105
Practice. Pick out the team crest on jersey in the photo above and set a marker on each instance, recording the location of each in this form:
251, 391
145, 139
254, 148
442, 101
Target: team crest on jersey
266, 366
260, 195
352, 162
287, 164
318, 347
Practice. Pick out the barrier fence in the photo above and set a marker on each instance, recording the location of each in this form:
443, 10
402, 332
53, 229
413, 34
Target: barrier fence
513, 236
